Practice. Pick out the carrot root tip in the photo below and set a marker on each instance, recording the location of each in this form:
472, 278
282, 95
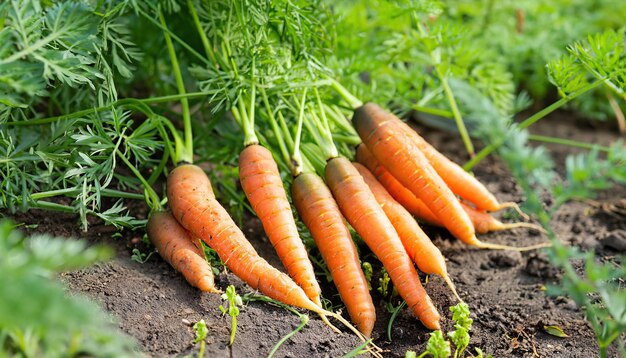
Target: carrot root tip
492, 246
452, 287
523, 224
327, 322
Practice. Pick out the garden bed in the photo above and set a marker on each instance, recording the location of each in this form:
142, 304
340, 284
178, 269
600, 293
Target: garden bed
504, 289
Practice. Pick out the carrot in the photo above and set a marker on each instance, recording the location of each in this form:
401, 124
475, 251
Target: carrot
416, 243
460, 182
360, 208
393, 147
264, 189
399, 192
175, 246
193, 204
319, 212
204, 217
483, 222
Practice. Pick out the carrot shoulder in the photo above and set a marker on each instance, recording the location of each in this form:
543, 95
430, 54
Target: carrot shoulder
196, 209
358, 205
393, 148
319, 212
263, 186
176, 247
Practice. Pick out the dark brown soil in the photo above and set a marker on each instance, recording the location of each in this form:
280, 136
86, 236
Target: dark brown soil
505, 290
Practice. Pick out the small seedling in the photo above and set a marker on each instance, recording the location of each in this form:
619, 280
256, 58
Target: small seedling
437, 346
140, 257
234, 300
460, 337
201, 333
383, 283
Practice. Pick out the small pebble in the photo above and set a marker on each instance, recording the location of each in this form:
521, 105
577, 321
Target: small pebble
186, 322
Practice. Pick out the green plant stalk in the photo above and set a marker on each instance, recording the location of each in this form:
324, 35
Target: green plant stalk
567, 142
233, 330
434, 111
201, 350
173, 36
187, 154
42, 204
393, 318
349, 139
111, 193
284, 151
304, 320
119, 103
338, 118
203, 38
530, 121
247, 123
358, 350
296, 156
151, 196
469, 147
283, 126
353, 102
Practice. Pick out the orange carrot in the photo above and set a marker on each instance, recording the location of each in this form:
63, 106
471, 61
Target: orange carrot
399, 192
193, 205
417, 244
175, 246
483, 222
360, 208
460, 182
322, 217
264, 189
393, 148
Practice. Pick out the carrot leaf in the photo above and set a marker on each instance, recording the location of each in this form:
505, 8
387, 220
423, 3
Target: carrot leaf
437, 346
463, 323
201, 332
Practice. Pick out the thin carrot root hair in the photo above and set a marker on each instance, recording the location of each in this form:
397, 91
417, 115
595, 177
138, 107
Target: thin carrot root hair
488, 245
507, 226
324, 314
514, 206
327, 322
452, 287
372, 348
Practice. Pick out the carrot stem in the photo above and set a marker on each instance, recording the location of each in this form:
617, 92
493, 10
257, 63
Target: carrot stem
186, 155
280, 137
296, 156
568, 142
455, 111
152, 199
352, 100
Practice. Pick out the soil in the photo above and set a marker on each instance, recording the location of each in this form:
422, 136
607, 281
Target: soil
504, 289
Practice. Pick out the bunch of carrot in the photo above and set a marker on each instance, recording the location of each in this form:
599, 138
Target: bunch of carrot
397, 176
